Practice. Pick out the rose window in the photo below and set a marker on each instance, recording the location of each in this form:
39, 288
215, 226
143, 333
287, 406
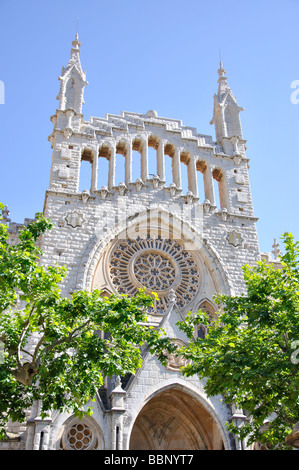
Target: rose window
79, 437
158, 265
154, 270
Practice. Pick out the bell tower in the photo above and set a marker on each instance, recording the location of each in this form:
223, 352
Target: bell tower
72, 81
64, 174
226, 114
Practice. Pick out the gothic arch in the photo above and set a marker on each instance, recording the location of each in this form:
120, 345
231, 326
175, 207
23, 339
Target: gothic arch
182, 228
207, 305
175, 417
72, 90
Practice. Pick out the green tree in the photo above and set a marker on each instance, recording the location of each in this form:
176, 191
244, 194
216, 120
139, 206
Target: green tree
78, 340
249, 353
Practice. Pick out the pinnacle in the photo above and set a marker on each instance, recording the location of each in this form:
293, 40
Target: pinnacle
76, 42
221, 71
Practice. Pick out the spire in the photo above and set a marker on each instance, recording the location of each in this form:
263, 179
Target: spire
75, 51
221, 70
72, 81
226, 110
222, 80
223, 86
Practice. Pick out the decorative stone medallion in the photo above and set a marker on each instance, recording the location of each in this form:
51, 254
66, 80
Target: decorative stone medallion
157, 264
74, 219
234, 238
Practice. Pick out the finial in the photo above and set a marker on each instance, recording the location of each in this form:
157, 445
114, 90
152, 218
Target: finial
75, 51
276, 251
5, 214
221, 70
76, 42
118, 381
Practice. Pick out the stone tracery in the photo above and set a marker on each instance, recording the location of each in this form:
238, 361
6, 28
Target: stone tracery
80, 435
154, 270
158, 265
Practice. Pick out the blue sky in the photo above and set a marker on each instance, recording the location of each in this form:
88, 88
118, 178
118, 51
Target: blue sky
161, 55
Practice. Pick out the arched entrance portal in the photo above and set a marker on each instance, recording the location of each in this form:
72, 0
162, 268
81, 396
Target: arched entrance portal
175, 420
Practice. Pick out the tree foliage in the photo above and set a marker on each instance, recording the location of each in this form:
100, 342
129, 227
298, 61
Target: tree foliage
77, 340
249, 354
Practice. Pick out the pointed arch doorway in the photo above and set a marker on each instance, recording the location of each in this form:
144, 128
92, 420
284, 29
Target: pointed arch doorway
175, 420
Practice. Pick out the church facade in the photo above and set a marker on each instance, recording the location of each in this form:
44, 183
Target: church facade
185, 244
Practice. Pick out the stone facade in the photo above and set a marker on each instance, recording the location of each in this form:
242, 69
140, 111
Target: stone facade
142, 232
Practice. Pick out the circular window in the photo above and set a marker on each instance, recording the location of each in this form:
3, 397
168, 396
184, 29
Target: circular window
158, 265
79, 436
154, 270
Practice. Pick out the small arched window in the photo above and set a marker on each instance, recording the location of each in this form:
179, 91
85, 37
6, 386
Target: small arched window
220, 195
185, 176
202, 330
201, 169
153, 144
86, 170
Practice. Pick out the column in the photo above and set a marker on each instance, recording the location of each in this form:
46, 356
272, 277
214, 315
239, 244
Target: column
144, 160
192, 176
161, 161
94, 171
111, 175
209, 187
30, 434
239, 419
176, 168
128, 164
117, 410
223, 192
42, 433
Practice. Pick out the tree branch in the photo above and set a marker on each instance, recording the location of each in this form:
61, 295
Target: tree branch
66, 339
25, 328
40, 342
